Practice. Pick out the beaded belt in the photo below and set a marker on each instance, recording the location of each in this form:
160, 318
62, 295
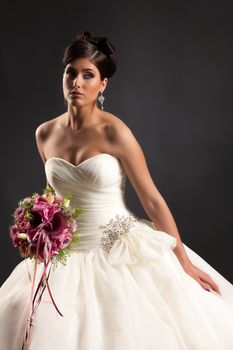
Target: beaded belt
115, 229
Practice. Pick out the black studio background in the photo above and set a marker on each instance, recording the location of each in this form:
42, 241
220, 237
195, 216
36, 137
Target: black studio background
173, 88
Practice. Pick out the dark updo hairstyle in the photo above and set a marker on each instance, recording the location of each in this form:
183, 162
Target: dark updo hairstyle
98, 49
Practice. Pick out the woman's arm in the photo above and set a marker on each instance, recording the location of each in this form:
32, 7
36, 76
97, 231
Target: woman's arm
128, 150
40, 136
133, 161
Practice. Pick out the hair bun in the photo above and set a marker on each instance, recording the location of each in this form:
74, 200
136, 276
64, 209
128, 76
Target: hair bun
83, 36
99, 49
101, 43
105, 46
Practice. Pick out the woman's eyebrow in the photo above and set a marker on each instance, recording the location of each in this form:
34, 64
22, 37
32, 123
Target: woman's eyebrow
88, 69
85, 69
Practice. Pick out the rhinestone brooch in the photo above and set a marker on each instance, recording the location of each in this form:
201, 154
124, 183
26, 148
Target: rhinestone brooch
117, 227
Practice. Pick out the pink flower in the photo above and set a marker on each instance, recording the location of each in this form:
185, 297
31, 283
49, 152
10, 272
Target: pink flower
45, 222
39, 203
49, 211
56, 232
58, 198
14, 230
13, 233
74, 225
23, 225
19, 213
60, 234
45, 209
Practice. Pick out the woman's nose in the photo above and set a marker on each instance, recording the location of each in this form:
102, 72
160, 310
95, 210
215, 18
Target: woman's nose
77, 81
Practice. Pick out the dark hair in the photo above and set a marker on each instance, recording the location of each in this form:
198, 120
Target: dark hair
98, 49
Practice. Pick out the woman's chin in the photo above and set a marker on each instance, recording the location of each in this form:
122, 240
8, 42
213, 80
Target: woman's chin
75, 102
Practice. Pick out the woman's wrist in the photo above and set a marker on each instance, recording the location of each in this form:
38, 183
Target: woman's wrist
181, 255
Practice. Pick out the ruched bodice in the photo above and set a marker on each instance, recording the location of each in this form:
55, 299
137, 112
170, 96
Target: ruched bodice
98, 186
96, 182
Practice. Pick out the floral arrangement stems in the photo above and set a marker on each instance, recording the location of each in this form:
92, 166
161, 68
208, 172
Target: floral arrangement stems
43, 283
49, 224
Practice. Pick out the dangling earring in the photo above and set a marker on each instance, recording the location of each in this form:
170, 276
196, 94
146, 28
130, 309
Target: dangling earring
101, 98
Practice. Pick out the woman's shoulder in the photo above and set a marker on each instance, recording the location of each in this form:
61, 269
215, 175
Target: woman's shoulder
115, 123
44, 129
118, 129
111, 123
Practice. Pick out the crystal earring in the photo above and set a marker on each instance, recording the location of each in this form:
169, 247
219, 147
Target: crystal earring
101, 98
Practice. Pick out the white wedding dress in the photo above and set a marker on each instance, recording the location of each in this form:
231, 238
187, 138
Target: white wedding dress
123, 288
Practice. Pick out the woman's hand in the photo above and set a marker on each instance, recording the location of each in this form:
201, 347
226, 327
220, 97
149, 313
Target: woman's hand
201, 277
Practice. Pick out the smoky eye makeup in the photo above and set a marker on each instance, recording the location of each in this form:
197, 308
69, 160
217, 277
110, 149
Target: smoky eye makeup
86, 72
71, 71
89, 74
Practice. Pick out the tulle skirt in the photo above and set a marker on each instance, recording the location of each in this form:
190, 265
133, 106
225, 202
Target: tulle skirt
136, 297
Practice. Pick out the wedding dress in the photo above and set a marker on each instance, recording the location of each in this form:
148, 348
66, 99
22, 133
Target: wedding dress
123, 287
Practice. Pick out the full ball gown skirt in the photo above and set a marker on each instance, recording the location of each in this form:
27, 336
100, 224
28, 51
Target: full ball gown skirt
123, 288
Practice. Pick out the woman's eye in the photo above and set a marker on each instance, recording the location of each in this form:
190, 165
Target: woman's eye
88, 76
73, 74
70, 73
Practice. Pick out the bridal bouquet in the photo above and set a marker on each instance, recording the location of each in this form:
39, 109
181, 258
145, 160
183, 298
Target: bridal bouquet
44, 226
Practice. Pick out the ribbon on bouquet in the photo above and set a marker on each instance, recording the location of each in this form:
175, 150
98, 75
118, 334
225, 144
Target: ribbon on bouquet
43, 283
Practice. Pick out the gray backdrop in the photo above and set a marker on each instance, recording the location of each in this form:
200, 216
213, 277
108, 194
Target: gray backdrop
173, 88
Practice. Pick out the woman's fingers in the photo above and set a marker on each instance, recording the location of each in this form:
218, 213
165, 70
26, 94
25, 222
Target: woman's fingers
204, 277
204, 285
212, 284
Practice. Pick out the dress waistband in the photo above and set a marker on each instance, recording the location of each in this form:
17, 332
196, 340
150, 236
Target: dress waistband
103, 234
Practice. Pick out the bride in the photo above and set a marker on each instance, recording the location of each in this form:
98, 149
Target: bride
140, 288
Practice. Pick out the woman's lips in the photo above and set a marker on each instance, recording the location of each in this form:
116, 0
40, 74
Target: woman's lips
76, 94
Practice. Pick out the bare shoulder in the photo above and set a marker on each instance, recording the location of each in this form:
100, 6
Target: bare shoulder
116, 127
114, 121
122, 138
128, 150
43, 131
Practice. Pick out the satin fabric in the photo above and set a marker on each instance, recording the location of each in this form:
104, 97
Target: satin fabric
135, 296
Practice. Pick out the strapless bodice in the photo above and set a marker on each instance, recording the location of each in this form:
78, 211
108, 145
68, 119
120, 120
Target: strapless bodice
97, 185
97, 181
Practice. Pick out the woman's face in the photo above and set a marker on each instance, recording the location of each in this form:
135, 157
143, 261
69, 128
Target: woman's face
83, 76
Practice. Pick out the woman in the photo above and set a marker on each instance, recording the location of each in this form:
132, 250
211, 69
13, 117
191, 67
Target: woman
131, 283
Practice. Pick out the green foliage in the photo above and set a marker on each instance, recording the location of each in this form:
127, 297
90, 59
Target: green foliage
78, 211
48, 190
68, 195
31, 254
